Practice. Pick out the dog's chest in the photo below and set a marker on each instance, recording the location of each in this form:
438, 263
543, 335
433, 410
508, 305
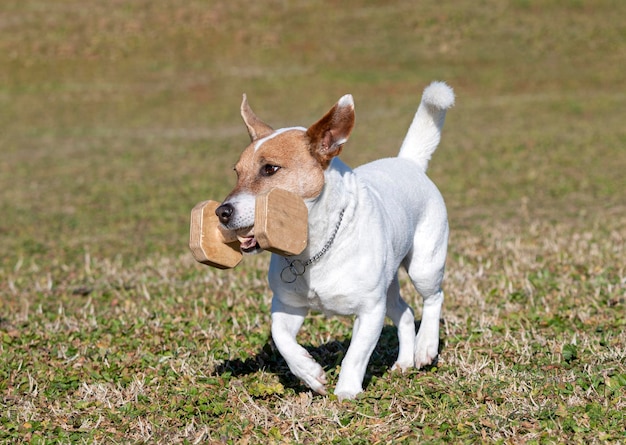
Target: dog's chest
315, 303
330, 300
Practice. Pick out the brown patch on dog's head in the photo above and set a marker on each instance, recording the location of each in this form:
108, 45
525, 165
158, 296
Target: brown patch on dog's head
292, 159
281, 160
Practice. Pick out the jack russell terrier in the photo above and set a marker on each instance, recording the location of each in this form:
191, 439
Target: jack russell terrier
363, 225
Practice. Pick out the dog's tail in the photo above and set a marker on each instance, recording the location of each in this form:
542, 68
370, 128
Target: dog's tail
425, 131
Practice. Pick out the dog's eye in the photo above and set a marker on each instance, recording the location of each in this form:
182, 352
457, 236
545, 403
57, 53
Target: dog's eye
269, 169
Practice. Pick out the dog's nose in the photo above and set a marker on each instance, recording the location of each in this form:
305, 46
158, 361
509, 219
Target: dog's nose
224, 212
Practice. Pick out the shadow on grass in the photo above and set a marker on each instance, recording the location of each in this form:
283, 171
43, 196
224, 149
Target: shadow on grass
329, 355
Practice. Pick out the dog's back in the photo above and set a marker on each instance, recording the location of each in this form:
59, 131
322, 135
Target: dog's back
411, 198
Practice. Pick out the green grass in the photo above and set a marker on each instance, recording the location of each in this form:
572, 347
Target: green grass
117, 117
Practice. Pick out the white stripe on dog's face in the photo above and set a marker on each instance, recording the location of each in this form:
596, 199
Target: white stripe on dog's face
258, 143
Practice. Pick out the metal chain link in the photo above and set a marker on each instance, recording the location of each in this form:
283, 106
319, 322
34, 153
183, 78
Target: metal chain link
297, 268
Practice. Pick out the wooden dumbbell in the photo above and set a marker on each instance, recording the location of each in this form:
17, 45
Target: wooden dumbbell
280, 226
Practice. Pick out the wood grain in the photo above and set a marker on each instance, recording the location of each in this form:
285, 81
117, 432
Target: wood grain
281, 222
209, 243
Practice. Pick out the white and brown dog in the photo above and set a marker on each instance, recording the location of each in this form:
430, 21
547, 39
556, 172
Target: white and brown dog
363, 225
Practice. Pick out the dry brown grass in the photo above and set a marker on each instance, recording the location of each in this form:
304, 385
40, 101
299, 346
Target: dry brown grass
519, 295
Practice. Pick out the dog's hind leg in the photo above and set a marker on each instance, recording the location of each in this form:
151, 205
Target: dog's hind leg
427, 340
425, 266
286, 322
404, 320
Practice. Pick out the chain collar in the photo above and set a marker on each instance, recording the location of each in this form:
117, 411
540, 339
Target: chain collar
296, 268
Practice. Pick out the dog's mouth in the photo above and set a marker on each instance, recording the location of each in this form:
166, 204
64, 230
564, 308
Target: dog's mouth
247, 241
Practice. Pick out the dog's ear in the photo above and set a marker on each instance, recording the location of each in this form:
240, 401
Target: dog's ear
256, 127
328, 135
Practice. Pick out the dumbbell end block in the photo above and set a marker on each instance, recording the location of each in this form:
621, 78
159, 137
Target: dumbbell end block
281, 222
209, 243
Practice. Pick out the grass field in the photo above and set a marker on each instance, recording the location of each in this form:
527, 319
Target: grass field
117, 117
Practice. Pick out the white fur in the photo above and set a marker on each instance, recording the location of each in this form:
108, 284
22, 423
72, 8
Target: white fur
425, 130
393, 215
346, 101
244, 217
260, 142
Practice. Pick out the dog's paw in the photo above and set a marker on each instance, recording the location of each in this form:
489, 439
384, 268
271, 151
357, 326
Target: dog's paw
347, 393
402, 367
317, 384
426, 351
311, 374
348, 385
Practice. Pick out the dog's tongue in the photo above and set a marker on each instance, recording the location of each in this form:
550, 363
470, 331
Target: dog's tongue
247, 242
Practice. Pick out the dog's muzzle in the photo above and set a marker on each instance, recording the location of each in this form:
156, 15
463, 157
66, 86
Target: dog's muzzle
245, 235
225, 212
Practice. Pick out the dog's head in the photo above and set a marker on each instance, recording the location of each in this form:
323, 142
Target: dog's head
292, 159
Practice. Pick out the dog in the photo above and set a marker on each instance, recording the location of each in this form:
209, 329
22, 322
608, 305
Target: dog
364, 224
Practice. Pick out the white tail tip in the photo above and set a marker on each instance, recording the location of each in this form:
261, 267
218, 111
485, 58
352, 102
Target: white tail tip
438, 95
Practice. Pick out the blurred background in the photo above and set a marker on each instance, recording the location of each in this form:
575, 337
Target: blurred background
117, 117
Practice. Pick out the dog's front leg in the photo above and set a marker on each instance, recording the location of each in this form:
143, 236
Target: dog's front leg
286, 322
365, 334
